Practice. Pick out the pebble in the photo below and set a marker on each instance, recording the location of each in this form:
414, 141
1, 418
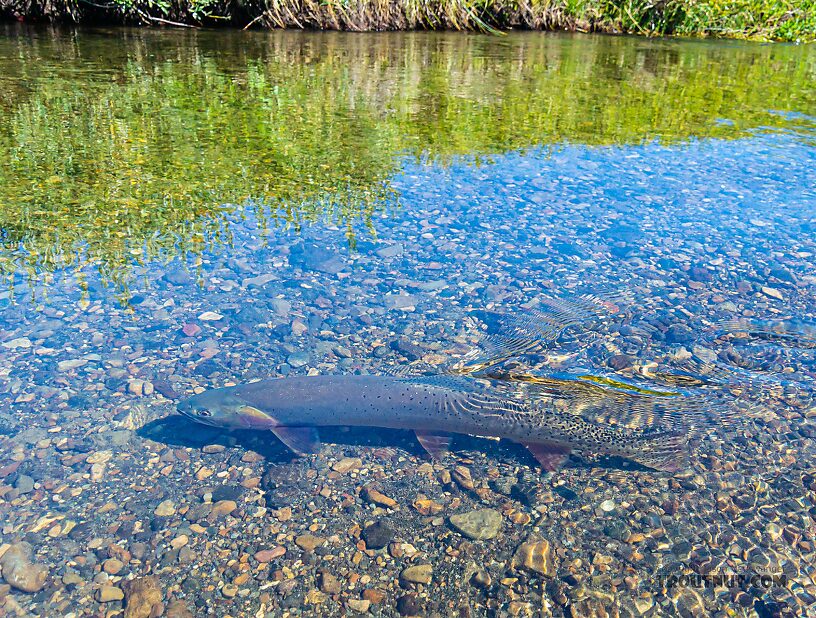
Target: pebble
24, 484
298, 359
107, 594
112, 566
140, 387
229, 590
374, 596
68, 365
329, 583
191, 330
210, 316
347, 464
224, 507
180, 541
408, 605
418, 574
375, 496
607, 506
267, 555
165, 509
479, 524
177, 609
773, 293
361, 606
308, 542
19, 342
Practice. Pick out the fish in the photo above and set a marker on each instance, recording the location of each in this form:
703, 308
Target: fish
553, 415
552, 418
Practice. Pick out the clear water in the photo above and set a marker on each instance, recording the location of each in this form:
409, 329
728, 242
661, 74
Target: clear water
185, 210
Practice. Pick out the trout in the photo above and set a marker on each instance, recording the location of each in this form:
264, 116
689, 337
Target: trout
551, 418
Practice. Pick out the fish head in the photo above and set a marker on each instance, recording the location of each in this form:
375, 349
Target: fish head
222, 407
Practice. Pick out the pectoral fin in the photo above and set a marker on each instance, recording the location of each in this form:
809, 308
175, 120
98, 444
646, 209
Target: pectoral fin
550, 456
436, 444
302, 440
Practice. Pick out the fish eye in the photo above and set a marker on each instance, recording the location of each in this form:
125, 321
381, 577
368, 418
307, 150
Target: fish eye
203, 413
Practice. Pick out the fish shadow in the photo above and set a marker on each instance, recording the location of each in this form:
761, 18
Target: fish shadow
177, 431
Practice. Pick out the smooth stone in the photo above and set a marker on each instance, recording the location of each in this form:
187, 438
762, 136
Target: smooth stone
177, 609
112, 566
68, 365
329, 583
418, 574
298, 359
282, 308
210, 316
308, 542
607, 506
165, 509
479, 524
267, 555
107, 594
360, 606
400, 301
24, 484
347, 464
224, 507
408, 605
390, 251
773, 293
19, 342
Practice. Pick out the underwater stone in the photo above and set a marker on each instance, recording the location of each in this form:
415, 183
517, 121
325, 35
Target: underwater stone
536, 556
418, 574
377, 535
18, 570
480, 524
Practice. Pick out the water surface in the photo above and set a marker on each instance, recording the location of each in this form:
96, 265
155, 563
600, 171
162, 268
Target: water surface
184, 210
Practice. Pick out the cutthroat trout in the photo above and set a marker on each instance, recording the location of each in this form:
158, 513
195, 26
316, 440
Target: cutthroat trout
551, 418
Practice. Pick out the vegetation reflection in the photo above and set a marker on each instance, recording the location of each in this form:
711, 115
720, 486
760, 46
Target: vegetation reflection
125, 147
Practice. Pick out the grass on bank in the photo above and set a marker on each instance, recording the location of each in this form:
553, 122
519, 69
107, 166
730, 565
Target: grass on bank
782, 20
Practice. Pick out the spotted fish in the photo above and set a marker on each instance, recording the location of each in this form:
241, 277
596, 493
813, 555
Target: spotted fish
550, 419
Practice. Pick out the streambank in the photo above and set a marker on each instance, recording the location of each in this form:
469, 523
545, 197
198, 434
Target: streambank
778, 20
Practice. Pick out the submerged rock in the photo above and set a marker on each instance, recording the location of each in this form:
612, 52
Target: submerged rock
18, 570
418, 574
141, 596
377, 535
535, 555
480, 524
